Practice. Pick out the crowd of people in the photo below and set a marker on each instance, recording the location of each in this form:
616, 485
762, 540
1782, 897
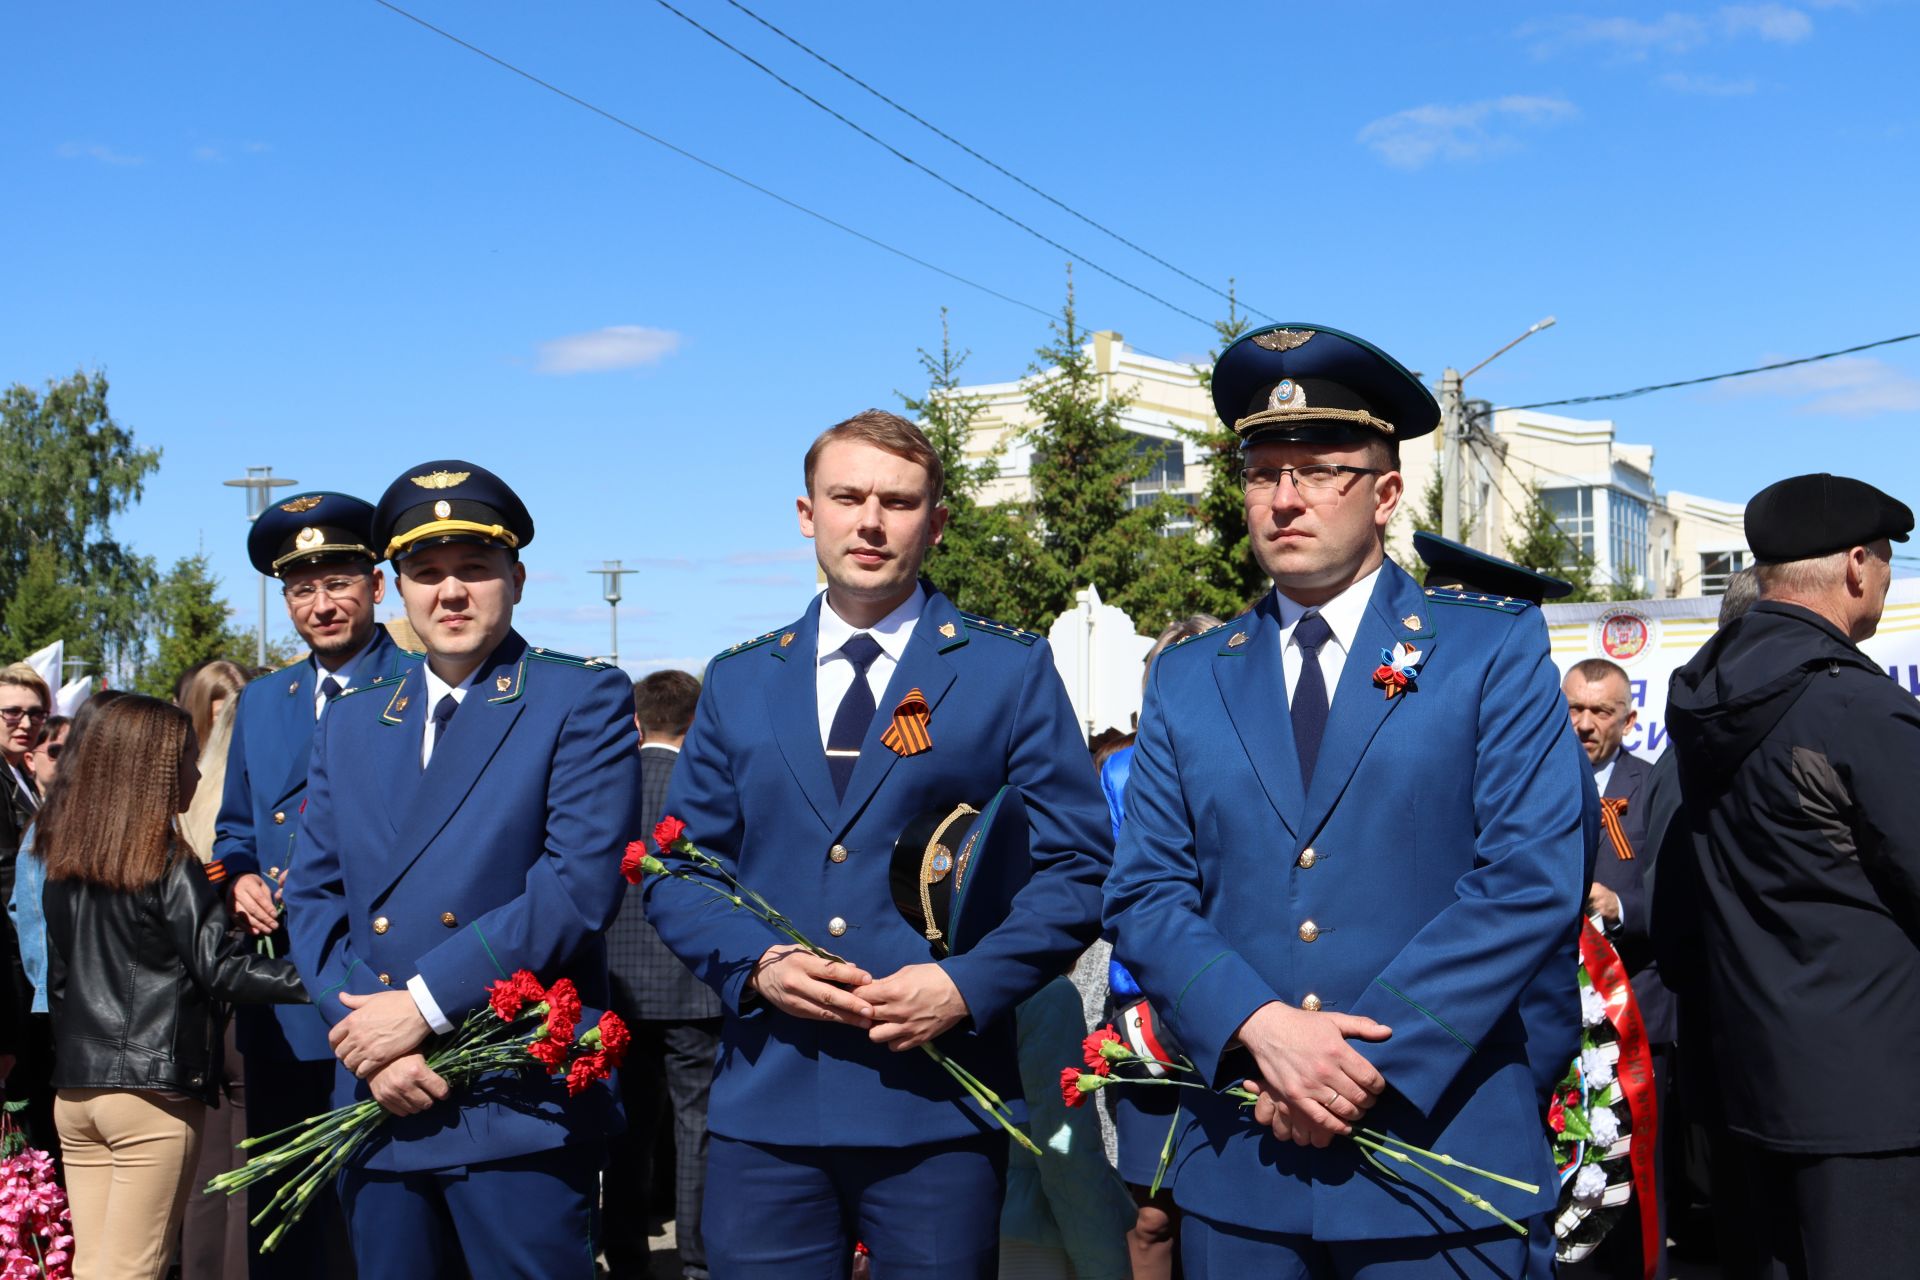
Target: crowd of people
1343, 902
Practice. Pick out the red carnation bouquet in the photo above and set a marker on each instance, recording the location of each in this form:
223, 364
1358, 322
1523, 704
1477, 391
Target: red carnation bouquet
525, 1027
1109, 1061
705, 870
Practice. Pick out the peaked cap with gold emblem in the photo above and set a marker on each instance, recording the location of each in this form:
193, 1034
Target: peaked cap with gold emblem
1455, 566
311, 528
449, 501
1308, 384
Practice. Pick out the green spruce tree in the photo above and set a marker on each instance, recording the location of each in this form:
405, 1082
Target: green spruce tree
1228, 580
45, 607
191, 625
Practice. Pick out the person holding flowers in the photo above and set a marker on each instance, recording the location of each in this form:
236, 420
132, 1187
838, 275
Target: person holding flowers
465, 823
1356, 831
813, 749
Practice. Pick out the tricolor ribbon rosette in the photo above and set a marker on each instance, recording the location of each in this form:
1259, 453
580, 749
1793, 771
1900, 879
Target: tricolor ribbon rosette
1399, 667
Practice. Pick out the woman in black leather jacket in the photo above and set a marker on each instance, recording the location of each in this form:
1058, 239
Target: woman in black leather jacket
138, 954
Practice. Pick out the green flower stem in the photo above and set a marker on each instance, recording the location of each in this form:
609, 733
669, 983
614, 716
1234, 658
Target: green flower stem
1530, 1188
1166, 1153
1479, 1202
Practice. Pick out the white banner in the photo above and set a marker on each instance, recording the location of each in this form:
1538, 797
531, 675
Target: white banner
1651, 639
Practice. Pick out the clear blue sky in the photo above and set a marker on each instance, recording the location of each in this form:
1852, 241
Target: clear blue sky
323, 238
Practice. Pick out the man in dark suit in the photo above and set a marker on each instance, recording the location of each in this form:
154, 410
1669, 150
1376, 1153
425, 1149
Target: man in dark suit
675, 1021
1600, 701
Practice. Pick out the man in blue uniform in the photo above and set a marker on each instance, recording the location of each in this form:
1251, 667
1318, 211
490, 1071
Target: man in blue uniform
814, 747
465, 820
1354, 834
320, 547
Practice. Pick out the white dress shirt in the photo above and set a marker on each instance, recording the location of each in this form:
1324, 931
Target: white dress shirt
344, 675
1343, 614
436, 690
833, 671
1603, 773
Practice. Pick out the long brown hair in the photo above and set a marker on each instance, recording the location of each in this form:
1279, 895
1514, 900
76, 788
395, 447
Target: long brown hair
210, 680
110, 819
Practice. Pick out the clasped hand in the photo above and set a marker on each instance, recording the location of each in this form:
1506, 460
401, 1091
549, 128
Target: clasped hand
382, 1028
902, 1011
1313, 1086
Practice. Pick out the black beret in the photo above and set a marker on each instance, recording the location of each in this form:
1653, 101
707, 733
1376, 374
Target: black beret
311, 528
1806, 516
1450, 564
449, 501
1309, 384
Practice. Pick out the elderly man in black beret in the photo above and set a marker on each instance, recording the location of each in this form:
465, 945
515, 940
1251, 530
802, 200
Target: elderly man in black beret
1800, 767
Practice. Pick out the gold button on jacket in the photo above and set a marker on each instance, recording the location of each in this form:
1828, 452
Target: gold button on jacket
386, 979
1311, 1003
838, 853
1308, 857
448, 919
1309, 931
279, 817
380, 924
836, 926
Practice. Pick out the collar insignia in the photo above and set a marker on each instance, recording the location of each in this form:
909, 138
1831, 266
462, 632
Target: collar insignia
1237, 639
1411, 622
441, 479
947, 629
400, 704
786, 639
502, 683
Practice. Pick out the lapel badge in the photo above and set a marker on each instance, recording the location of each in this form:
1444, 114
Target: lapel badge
1411, 622
947, 630
786, 639
294, 687
502, 683
400, 704
1237, 639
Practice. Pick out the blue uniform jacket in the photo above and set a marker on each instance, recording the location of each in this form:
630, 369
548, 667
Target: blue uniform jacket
1447, 828
753, 788
259, 820
503, 854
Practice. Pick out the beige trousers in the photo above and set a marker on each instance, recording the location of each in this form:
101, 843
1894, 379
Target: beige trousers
129, 1160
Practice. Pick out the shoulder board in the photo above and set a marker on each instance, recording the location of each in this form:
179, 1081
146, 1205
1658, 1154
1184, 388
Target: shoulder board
989, 627
567, 659
1198, 635
754, 643
382, 682
1510, 605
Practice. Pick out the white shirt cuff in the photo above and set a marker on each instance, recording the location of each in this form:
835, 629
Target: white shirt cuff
428, 1006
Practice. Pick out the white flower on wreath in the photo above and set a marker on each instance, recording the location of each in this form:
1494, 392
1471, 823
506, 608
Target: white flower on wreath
1605, 1125
1593, 1007
1589, 1184
1596, 1068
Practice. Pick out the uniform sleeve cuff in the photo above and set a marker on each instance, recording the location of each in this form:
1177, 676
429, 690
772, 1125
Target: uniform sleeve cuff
428, 1006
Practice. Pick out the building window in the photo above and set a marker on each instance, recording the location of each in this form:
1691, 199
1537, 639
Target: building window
1627, 537
1572, 511
1718, 566
1166, 473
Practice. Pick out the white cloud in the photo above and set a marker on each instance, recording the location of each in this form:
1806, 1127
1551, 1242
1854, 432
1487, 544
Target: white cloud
217, 153
1637, 39
1709, 86
1413, 138
94, 151
1845, 386
619, 346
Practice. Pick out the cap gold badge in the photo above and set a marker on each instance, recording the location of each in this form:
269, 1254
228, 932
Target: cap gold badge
309, 537
443, 508
300, 506
441, 479
1287, 394
1283, 339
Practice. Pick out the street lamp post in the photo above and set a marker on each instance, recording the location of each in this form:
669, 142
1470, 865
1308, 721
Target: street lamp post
260, 483
610, 575
1460, 434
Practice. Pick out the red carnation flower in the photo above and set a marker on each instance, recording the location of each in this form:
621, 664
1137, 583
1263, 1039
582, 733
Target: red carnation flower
529, 987
1070, 1087
1090, 1050
549, 1051
583, 1072
633, 864
563, 999
614, 1038
1557, 1115
667, 833
505, 999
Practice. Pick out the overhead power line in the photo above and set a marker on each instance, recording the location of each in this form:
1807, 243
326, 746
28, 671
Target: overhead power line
1714, 377
941, 178
710, 165
998, 168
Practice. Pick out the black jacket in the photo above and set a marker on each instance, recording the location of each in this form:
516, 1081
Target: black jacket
1800, 770
132, 981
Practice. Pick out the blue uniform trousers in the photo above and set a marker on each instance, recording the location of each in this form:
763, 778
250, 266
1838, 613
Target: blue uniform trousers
925, 1212
1214, 1251
529, 1218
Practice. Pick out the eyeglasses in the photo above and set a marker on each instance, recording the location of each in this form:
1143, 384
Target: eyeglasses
12, 714
51, 751
333, 588
1316, 479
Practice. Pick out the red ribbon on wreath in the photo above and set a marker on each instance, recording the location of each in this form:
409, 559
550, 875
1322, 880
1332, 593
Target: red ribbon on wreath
1635, 1073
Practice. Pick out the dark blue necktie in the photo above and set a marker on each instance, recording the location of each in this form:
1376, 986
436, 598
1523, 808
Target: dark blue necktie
330, 689
850, 722
1309, 694
442, 717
